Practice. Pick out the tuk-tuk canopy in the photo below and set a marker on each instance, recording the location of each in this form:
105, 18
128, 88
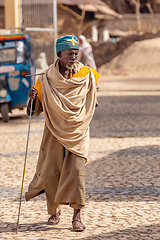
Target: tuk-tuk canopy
12, 37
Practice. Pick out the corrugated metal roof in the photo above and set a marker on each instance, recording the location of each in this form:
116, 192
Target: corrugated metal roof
67, 2
91, 6
76, 2
105, 9
88, 5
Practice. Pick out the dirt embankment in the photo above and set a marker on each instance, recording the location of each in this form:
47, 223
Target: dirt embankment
105, 52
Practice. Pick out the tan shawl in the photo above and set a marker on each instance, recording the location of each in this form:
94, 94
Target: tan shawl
68, 106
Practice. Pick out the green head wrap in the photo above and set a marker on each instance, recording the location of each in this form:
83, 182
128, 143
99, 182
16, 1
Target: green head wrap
67, 42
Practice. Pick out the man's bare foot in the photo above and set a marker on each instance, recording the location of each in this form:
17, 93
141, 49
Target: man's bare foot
78, 226
54, 219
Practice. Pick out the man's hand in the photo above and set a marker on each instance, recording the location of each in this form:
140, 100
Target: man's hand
32, 93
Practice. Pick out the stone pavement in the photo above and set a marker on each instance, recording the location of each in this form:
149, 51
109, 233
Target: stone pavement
122, 173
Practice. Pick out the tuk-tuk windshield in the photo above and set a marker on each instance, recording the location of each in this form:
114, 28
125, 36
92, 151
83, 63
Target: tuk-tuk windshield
12, 52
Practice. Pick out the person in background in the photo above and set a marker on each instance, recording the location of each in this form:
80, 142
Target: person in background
85, 53
66, 93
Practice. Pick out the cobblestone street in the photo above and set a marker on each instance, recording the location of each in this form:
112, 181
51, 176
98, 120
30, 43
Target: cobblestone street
122, 172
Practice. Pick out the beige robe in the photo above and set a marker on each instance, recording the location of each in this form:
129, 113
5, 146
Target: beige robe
68, 106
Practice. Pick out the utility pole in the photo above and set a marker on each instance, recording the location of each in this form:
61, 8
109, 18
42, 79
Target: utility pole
138, 15
12, 14
55, 25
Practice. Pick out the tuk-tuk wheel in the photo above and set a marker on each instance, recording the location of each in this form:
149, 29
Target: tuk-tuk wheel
4, 112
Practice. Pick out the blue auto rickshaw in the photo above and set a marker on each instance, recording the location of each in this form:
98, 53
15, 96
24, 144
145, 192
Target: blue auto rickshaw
16, 62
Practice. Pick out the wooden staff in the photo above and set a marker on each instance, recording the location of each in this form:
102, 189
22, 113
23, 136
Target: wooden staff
25, 159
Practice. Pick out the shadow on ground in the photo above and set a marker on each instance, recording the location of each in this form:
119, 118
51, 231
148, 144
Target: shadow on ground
20, 118
125, 175
28, 227
126, 116
134, 233
137, 233
116, 117
119, 176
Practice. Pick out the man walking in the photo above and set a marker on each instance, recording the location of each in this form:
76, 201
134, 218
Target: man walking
66, 93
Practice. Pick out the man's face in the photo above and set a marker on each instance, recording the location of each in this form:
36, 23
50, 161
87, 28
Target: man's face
68, 57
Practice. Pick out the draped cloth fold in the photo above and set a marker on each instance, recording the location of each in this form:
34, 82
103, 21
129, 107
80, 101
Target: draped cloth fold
68, 106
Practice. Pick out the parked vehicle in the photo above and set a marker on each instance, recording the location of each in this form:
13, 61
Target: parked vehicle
16, 61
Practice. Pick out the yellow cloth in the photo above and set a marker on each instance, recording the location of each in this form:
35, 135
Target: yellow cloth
82, 73
68, 106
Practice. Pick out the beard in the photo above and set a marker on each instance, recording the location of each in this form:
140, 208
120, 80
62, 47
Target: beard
70, 65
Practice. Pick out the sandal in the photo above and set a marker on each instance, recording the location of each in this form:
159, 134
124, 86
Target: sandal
54, 219
78, 226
